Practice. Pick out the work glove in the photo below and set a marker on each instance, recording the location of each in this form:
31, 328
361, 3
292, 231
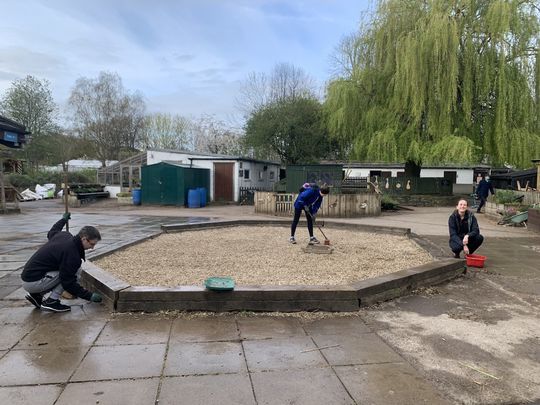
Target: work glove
67, 216
96, 297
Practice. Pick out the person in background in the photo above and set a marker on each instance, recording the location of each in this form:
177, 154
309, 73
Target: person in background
464, 231
309, 200
484, 188
56, 266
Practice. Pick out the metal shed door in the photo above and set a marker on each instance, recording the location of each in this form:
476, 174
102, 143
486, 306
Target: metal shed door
223, 181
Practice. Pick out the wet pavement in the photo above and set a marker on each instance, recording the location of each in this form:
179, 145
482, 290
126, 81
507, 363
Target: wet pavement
472, 340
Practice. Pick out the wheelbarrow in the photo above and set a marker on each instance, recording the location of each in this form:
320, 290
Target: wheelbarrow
518, 219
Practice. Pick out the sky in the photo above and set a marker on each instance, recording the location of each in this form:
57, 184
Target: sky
187, 57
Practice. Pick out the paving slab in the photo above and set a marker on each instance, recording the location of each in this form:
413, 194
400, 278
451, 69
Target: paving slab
395, 383
204, 329
116, 362
9, 266
300, 387
282, 354
30, 367
11, 334
18, 294
355, 349
34, 395
225, 389
52, 335
6, 258
205, 358
135, 331
141, 391
266, 327
332, 326
20, 314
10, 278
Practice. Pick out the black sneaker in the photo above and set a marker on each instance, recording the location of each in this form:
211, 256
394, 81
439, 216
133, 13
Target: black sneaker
55, 306
292, 240
456, 255
313, 240
35, 299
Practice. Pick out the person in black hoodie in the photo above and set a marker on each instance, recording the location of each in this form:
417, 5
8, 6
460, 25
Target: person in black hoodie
56, 266
464, 231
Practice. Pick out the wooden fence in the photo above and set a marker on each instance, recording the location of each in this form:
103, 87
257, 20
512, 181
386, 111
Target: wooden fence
334, 205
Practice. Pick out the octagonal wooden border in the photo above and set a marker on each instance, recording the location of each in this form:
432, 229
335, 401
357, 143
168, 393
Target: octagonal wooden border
122, 297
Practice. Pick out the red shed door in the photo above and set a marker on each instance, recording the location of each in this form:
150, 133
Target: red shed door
223, 181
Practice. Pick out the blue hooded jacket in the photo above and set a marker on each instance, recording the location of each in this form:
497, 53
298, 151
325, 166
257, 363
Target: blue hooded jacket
311, 198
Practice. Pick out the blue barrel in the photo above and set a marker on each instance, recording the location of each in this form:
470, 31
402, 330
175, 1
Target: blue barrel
136, 195
202, 193
193, 198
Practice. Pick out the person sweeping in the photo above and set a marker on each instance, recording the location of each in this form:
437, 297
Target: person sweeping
309, 201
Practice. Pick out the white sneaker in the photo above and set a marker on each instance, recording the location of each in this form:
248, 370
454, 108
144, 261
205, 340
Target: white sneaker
292, 240
313, 240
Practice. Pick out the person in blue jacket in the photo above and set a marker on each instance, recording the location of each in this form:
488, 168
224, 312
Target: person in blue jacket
464, 231
484, 188
309, 201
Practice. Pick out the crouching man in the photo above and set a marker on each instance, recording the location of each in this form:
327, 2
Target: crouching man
56, 267
464, 231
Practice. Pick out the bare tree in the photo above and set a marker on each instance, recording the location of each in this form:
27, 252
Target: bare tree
347, 56
285, 82
212, 136
165, 131
104, 112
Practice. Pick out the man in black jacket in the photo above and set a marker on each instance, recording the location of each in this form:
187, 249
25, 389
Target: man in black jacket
464, 230
484, 188
56, 266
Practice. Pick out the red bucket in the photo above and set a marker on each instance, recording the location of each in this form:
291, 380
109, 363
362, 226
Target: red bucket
476, 260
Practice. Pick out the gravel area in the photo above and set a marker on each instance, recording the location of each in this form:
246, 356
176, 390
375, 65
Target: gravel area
261, 255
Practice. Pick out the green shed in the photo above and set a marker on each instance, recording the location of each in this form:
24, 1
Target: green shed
329, 174
167, 183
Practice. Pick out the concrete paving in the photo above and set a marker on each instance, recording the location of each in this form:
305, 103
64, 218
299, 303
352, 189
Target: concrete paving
472, 340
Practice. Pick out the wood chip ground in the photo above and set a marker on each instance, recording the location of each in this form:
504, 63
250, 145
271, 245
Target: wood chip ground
261, 256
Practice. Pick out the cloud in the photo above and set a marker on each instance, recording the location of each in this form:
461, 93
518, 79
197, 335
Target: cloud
191, 54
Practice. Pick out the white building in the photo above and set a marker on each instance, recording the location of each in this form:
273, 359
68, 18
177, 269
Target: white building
462, 177
229, 175
75, 165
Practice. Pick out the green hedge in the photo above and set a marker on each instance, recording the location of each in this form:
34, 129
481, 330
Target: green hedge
388, 203
24, 181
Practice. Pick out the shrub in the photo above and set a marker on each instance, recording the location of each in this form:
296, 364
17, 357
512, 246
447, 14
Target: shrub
505, 197
29, 180
388, 203
21, 181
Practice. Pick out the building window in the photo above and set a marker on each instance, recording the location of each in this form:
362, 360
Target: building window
271, 175
240, 173
240, 163
246, 174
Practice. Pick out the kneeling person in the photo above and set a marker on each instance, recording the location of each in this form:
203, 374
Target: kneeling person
464, 231
56, 267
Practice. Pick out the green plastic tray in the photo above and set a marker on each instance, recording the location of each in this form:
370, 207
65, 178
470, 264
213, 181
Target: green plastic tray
219, 283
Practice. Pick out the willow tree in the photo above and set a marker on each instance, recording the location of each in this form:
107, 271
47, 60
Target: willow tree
441, 81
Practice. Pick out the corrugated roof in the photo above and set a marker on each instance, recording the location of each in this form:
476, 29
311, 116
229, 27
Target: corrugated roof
212, 156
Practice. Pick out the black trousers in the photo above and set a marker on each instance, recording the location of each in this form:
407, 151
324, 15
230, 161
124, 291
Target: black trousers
482, 203
296, 218
474, 244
